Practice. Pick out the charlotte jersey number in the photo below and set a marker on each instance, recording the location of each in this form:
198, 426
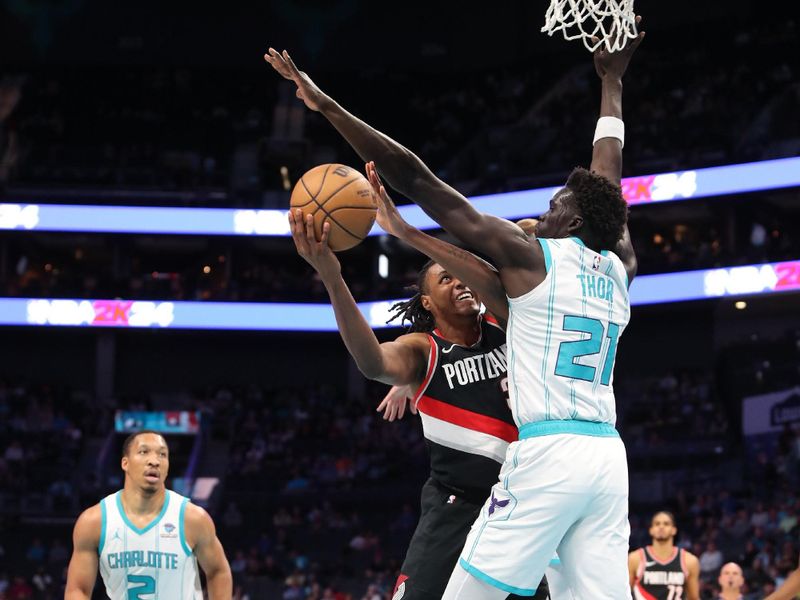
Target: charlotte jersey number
146, 585
568, 352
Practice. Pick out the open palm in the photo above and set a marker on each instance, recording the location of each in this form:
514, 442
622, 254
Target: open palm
307, 90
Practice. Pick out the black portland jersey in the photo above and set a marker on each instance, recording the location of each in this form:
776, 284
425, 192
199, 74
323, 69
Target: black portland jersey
463, 403
657, 580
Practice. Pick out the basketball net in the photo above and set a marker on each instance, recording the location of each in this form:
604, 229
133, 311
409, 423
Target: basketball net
611, 21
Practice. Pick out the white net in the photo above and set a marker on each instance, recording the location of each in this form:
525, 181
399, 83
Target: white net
612, 22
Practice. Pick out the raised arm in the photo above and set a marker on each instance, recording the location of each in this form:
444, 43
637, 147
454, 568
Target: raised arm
790, 588
202, 536
497, 238
476, 273
607, 153
82, 572
399, 362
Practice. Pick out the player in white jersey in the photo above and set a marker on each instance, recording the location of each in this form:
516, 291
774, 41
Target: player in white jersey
147, 540
564, 485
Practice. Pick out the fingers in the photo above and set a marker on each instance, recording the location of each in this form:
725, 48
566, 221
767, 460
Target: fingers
273, 58
290, 63
374, 171
638, 39
385, 197
375, 181
370, 178
390, 412
412, 407
326, 229
296, 227
278, 63
310, 237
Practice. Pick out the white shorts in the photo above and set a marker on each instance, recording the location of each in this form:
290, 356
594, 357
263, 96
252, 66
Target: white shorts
563, 492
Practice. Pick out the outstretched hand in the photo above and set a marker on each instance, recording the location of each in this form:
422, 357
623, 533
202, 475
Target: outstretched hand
307, 90
388, 216
614, 64
317, 253
393, 405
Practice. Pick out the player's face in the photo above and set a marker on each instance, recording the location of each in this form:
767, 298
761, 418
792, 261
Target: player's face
662, 529
731, 577
449, 295
560, 218
147, 462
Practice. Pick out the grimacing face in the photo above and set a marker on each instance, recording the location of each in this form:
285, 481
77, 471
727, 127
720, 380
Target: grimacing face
444, 294
147, 462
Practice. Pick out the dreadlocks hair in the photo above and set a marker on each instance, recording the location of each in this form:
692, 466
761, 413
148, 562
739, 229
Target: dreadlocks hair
411, 310
600, 203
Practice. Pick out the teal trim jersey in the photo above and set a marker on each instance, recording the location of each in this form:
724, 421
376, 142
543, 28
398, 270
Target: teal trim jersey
563, 334
148, 563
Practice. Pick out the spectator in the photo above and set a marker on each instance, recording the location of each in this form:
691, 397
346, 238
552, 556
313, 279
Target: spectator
710, 559
232, 517
20, 590
36, 551
239, 563
42, 582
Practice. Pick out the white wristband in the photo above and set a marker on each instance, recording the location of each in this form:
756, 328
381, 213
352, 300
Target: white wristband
610, 127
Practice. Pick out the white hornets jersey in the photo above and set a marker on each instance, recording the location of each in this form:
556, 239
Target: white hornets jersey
150, 563
563, 334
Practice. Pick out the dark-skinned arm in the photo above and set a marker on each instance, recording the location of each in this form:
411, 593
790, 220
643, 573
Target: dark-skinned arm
400, 362
607, 152
474, 272
502, 241
790, 588
201, 534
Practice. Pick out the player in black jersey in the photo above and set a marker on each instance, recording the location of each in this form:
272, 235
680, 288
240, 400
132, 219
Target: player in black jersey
663, 571
455, 359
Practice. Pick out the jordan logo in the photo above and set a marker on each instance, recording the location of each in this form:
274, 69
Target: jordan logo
495, 503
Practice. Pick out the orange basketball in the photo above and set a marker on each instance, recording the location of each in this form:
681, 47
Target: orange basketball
341, 196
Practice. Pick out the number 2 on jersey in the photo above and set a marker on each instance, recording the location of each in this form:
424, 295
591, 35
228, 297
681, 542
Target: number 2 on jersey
569, 351
148, 586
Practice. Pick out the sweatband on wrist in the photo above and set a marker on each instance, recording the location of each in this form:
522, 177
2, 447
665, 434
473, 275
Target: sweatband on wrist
610, 127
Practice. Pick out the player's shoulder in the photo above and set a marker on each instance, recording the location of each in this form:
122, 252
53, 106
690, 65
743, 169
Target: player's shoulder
198, 526
689, 558
89, 523
415, 340
635, 555
195, 516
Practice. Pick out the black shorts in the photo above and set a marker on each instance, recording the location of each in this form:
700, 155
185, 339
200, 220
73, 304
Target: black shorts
444, 523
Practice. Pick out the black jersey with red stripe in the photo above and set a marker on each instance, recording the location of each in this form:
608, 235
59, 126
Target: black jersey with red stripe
463, 403
660, 580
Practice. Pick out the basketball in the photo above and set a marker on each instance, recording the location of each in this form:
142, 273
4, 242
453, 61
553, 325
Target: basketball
341, 196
